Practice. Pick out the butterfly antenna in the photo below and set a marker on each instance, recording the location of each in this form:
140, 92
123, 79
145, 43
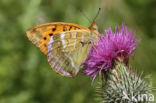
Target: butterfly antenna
97, 14
85, 15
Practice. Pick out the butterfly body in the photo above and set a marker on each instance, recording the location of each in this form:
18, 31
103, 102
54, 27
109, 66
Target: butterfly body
65, 44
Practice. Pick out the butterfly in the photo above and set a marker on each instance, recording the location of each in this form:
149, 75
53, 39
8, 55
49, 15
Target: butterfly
66, 45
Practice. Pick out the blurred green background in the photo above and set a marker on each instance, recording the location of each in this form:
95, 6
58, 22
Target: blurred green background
25, 75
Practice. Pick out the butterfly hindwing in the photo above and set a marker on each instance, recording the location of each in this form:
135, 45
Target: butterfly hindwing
67, 51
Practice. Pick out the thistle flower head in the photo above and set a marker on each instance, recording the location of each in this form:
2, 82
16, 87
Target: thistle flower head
111, 46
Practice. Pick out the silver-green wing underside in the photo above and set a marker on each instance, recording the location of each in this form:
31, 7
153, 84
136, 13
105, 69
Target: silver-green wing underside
67, 50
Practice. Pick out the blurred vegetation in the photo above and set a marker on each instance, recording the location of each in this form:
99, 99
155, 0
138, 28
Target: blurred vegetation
25, 75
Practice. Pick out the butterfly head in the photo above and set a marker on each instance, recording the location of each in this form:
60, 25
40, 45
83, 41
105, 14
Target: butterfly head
94, 28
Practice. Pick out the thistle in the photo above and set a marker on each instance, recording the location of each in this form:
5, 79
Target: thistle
109, 57
124, 86
111, 46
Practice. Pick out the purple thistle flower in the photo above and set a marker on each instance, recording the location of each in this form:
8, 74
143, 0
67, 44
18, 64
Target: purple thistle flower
111, 46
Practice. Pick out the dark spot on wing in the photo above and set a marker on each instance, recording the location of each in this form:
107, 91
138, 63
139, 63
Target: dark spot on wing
64, 29
51, 34
45, 38
70, 28
53, 29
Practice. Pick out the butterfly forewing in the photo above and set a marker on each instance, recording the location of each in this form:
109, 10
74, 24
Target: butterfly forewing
41, 34
71, 50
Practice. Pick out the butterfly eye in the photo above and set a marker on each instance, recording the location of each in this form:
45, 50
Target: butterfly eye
89, 42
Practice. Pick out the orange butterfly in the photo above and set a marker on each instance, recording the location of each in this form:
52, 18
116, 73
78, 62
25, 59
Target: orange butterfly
65, 44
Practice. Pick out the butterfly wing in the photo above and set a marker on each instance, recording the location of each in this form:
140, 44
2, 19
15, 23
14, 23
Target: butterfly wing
41, 34
67, 51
